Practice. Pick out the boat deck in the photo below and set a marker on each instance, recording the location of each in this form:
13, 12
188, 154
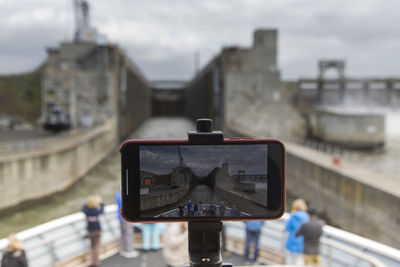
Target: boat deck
155, 258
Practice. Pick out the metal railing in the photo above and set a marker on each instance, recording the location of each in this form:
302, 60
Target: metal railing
63, 239
338, 248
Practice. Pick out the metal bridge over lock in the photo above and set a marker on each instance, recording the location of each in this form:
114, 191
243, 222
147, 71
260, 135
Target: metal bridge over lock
345, 91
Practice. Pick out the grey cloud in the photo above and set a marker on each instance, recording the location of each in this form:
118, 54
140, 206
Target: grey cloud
162, 36
25, 49
203, 159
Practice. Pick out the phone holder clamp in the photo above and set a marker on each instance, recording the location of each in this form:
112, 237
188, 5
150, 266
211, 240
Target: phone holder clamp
204, 133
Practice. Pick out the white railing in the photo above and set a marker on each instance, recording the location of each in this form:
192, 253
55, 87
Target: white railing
63, 239
338, 247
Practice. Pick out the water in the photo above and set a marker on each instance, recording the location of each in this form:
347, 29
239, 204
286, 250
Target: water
103, 180
387, 160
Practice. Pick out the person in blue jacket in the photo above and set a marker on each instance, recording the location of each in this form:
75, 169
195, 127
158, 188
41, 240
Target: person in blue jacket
253, 231
93, 208
294, 245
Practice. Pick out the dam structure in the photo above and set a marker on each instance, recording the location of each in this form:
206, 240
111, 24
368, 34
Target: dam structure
92, 88
344, 111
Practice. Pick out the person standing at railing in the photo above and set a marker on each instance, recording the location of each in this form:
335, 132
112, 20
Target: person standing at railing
175, 250
151, 231
196, 210
222, 209
294, 245
93, 208
14, 256
253, 231
189, 208
312, 231
233, 210
127, 236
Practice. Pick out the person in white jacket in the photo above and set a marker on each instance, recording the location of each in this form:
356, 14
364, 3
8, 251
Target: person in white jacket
175, 241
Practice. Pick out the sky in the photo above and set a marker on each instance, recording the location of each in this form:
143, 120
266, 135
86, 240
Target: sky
162, 37
203, 159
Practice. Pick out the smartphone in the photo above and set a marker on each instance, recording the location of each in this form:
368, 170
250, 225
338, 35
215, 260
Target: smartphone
174, 180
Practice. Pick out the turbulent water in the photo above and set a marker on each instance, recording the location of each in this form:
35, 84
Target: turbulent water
387, 160
103, 180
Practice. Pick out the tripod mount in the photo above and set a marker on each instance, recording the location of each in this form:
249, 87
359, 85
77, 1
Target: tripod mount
204, 236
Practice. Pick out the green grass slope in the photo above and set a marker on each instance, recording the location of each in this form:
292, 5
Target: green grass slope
20, 96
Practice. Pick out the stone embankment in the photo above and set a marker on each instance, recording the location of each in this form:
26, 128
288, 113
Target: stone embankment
34, 174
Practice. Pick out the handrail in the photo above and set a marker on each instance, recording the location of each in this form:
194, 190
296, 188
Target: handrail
336, 245
364, 244
376, 254
40, 242
45, 246
360, 241
361, 255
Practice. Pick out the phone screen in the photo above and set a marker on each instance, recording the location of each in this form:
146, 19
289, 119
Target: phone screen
222, 181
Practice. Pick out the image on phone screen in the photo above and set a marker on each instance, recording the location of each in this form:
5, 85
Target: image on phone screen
185, 180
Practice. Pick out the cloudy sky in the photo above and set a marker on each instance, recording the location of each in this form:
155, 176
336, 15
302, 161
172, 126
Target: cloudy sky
203, 159
163, 36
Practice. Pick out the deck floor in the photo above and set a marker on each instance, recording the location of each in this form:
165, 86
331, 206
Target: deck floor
155, 259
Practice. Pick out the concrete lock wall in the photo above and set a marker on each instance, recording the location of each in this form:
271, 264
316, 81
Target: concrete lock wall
235, 79
36, 174
94, 83
134, 93
356, 200
163, 199
199, 94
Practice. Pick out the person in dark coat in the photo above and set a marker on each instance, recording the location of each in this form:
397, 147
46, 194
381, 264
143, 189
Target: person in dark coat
222, 208
189, 208
181, 210
311, 231
212, 209
93, 208
14, 256
196, 210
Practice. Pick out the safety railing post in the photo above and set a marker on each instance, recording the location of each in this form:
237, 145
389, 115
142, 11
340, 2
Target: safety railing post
329, 258
53, 253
